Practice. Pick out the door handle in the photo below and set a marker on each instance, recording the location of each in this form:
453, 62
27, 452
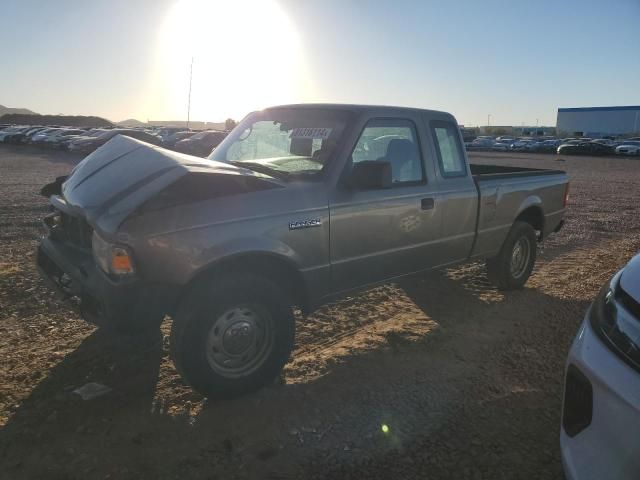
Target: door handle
427, 204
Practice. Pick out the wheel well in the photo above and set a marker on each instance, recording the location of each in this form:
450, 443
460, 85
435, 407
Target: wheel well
534, 217
279, 270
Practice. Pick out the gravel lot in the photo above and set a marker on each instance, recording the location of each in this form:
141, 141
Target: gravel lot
468, 380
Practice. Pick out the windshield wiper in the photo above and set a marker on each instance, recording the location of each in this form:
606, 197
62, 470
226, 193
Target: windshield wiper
261, 168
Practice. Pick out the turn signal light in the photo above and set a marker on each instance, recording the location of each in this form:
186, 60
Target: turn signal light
112, 259
121, 261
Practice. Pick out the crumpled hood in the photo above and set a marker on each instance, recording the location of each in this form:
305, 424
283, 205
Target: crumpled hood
123, 174
630, 279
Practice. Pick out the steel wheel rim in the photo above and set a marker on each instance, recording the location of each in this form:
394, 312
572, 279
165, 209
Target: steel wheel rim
239, 341
520, 255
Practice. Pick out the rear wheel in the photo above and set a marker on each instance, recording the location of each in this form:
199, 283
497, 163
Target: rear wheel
511, 268
232, 335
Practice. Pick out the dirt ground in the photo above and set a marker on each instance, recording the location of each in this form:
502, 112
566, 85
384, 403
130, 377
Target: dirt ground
467, 379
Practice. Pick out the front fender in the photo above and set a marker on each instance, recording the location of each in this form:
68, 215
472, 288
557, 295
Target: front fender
247, 246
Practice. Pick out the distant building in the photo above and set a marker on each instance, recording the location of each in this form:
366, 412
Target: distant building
521, 131
598, 121
468, 133
531, 131
496, 130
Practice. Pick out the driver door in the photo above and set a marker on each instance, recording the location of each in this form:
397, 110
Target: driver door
380, 234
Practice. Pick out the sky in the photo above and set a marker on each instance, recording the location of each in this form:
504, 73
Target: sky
517, 61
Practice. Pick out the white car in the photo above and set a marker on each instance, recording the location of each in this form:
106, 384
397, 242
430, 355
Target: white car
41, 137
628, 148
481, 143
521, 145
56, 138
11, 131
600, 433
501, 147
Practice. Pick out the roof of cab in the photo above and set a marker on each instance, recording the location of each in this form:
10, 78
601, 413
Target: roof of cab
361, 108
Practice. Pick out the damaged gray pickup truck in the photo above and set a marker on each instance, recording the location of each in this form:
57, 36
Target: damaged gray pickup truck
296, 207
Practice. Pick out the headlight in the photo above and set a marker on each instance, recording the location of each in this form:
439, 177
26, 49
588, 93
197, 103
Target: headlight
112, 259
617, 327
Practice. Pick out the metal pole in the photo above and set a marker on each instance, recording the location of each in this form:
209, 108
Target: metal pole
189, 101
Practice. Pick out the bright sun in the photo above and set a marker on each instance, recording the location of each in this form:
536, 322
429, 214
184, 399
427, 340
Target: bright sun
246, 56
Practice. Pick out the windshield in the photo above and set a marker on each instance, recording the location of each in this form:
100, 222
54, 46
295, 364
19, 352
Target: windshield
295, 141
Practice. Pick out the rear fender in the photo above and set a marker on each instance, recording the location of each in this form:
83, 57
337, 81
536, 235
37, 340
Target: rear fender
532, 212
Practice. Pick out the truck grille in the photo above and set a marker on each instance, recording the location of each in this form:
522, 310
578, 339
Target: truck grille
76, 230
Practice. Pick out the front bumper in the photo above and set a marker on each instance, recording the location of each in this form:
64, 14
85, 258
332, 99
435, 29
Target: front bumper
101, 300
608, 446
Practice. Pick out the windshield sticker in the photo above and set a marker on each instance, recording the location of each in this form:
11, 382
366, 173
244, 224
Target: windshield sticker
315, 133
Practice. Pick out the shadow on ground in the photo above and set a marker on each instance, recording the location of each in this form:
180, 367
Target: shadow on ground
424, 385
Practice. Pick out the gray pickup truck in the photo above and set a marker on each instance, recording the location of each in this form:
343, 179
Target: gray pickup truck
296, 207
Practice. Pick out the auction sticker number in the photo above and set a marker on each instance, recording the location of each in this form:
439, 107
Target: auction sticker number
311, 132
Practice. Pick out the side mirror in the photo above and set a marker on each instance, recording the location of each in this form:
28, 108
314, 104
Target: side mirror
370, 175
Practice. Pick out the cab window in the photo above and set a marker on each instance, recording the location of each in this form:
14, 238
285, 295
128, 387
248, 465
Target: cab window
394, 141
448, 149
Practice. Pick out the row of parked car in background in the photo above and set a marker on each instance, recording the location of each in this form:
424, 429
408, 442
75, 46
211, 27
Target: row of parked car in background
563, 146
86, 140
201, 143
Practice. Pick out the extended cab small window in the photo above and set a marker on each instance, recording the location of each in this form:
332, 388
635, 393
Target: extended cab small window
394, 141
448, 149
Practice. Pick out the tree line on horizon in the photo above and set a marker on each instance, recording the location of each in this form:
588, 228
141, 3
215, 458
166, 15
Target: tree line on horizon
66, 120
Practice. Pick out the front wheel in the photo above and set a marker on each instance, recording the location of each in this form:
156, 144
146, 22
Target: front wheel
232, 335
511, 268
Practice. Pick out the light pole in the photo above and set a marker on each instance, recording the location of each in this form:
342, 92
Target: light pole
488, 120
189, 100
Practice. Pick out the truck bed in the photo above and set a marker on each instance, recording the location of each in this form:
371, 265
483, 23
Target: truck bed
505, 192
481, 172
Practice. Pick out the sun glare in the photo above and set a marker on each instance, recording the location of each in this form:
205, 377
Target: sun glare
246, 56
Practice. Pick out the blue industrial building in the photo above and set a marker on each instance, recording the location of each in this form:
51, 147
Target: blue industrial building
598, 121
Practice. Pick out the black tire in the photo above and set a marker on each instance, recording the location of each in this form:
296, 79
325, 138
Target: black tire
198, 325
501, 269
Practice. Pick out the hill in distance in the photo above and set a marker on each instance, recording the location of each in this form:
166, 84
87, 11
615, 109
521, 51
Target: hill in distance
24, 111
131, 122
24, 116
57, 120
